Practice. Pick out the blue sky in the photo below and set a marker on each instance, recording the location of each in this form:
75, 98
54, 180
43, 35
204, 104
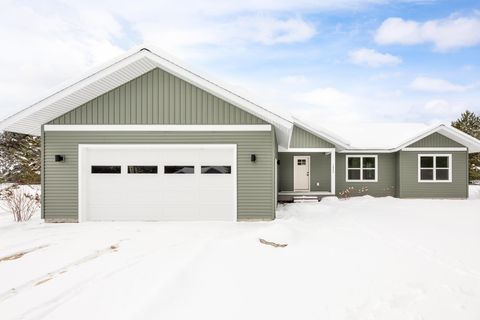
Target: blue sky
325, 61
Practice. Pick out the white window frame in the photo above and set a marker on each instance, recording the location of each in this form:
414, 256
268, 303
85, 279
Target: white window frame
361, 156
434, 168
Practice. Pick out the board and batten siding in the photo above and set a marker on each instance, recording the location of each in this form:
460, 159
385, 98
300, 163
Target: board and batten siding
255, 198
435, 140
320, 170
385, 186
157, 97
411, 188
304, 139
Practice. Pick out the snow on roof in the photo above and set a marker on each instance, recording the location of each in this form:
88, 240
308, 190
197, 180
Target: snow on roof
377, 135
392, 137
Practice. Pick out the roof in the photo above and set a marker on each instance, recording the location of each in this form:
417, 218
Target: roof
142, 59
366, 135
393, 137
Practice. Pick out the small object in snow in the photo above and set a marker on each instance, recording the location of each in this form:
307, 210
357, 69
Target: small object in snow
273, 244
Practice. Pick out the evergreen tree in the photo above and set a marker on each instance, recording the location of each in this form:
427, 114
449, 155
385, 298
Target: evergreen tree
469, 123
19, 158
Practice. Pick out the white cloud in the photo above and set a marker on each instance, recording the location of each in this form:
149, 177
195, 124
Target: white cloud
260, 29
443, 108
269, 30
450, 33
326, 97
435, 85
373, 58
49, 49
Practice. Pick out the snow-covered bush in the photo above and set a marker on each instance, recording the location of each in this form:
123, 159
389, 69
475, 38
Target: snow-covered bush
19, 202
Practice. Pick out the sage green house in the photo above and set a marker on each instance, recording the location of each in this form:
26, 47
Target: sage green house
145, 138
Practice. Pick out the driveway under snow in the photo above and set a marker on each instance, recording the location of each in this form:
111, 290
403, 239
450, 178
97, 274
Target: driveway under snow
362, 258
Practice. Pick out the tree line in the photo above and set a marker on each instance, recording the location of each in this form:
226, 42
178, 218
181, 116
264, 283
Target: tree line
20, 153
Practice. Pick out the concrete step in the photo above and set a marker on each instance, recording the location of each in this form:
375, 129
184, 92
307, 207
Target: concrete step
304, 199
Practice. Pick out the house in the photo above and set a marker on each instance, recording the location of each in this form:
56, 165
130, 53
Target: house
145, 138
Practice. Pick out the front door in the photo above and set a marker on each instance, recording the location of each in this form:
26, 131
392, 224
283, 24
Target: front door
301, 173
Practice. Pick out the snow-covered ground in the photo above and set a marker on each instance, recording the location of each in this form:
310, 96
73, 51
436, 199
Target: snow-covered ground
362, 258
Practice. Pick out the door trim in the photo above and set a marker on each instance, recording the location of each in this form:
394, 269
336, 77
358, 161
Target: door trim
83, 149
309, 172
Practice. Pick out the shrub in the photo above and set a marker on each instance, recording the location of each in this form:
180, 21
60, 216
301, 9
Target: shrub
20, 203
349, 192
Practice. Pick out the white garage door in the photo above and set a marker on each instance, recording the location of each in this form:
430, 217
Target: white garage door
157, 182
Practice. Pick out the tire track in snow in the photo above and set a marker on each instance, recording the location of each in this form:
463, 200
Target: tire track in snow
42, 311
53, 274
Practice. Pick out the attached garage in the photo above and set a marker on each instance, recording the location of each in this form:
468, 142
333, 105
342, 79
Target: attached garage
178, 182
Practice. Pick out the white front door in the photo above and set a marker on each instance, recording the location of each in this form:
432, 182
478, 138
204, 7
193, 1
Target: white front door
301, 173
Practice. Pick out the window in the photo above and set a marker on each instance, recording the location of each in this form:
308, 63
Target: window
216, 169
434, 168
107, 169
143, 169
302, 162
179, 169
362, 168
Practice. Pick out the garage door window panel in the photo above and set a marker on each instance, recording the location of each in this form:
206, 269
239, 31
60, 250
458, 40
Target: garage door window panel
179, 170
216, 169
106, 169
142, 169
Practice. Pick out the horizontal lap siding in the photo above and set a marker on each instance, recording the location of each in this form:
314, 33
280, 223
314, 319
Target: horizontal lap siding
319, 171
254, 179
386, 177
411, 188
304, 139
157, 97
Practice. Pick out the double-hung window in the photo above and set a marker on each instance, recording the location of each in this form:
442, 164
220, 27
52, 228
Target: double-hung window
434, 168
362, 168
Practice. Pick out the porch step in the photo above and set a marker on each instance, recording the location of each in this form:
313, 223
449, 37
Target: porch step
303, 199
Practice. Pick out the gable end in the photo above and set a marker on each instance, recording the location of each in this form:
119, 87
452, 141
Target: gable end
157, 97
435, 140
304, 139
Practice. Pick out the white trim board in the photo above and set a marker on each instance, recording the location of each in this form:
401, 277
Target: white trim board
261, 127
305, 150
435, 149
368, 151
